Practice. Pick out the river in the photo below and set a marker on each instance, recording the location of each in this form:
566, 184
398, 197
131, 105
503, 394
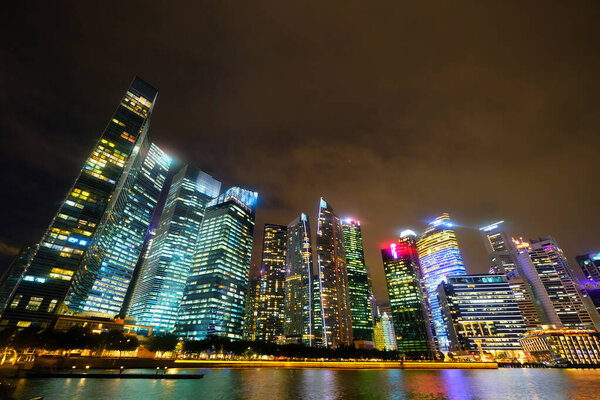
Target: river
275, 384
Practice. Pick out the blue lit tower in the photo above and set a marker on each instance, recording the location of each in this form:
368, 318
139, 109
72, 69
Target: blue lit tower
93, 200
100, 287
358, 281
215, 293
333, 279
162, 279
440, 258
298, 305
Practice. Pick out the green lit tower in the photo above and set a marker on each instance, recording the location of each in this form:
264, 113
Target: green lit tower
99, 287
271, 297
408, 298
333, 279
298, 325
358, 281
94, 200
163, 275
215, 293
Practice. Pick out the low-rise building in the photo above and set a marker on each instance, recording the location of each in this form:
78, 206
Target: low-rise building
563, 346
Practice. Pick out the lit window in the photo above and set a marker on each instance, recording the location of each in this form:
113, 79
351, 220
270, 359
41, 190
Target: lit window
52, 305
16, 301
34, 303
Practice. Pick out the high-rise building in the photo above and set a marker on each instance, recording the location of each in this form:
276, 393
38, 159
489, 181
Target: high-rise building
481, 313
408, 302
546, 267
504, 258
440, 258
590, 266
101, 283
316, 312
15, 272
298, 292
215, 294
333, 279
358, 281
251, 306
93, 200
271, 296
384, 335
163, 275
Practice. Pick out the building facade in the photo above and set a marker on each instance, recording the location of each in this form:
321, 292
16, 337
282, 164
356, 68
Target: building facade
298, 326
440, 258
384, 335
408, 301
481, 314
214, 298
90, 203
333, 279
100, 286
271, 296
358, 281
162, 278
15, 272
563, 346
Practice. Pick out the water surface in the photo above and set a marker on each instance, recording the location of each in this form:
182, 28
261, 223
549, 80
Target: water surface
274, 384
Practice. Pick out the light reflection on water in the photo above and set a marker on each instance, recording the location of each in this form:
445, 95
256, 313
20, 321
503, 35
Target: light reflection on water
274, 384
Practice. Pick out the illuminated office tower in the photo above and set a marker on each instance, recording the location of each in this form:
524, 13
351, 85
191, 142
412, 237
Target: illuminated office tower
358, 281
333, 279
440, 258
384, 335
546, 268
408, 301
501, 249
162, 278
92, 201
271, 296
590, 267
15, 272
316, 312
100, 286
504, 258
215, 294
298, 292
251, 307
481, 313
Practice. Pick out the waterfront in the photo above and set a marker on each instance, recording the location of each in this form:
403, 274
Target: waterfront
273, 384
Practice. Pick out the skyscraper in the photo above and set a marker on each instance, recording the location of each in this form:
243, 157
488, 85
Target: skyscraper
333, 279
546, 268
408, 301
590, 266
93, 200
100, 285
15, 272
384, 335
298, 292
481, 313
159, 289
271, 296
215, 293
358, 281
504, 258
251, 307
440, 258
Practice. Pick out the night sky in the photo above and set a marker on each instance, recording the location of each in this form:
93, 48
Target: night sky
393, 112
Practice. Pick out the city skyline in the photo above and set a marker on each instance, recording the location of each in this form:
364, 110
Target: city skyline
233, 104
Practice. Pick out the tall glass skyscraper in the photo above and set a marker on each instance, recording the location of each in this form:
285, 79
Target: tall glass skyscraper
100, 287
93, 200
271, 296
440, 258
15, 272
333, 279
358, 281
159, 289
408, 301
215, 293
504, 258
546, 268
298, 324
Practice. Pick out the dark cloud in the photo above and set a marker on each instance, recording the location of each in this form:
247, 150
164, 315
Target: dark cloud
394, 111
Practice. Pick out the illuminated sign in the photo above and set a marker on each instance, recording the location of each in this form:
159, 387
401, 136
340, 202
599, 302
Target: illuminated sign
393, 250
